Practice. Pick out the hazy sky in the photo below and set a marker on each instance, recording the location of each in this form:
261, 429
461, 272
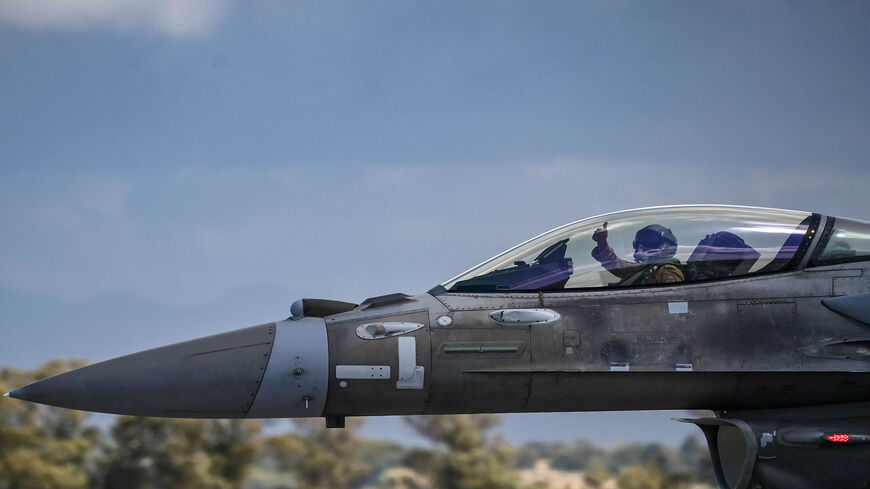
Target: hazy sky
175, 168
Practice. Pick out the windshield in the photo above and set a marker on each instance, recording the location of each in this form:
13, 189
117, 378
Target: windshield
650, 246
848, 240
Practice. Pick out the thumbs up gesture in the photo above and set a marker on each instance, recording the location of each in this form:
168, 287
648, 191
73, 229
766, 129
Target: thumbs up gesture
600, 235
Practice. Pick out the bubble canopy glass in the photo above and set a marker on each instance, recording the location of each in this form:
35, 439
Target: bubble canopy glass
712, 242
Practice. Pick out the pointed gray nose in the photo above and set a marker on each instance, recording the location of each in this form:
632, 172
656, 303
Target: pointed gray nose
213, 377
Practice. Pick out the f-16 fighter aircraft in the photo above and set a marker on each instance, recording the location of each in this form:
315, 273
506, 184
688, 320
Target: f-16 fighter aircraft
761, 315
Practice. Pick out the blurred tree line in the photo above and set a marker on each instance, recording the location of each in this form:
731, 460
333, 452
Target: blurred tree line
49, 448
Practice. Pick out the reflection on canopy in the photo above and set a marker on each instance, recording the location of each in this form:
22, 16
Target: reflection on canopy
712, 242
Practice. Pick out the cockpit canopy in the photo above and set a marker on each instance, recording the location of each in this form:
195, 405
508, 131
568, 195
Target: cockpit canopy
695, 243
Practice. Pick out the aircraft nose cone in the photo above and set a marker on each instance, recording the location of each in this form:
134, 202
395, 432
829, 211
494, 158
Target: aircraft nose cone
213, 377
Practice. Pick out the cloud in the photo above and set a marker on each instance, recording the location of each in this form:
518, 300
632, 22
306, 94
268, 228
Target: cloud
623, 184
176, 18
104, 195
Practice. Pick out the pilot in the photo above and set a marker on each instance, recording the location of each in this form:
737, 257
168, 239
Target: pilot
654, 250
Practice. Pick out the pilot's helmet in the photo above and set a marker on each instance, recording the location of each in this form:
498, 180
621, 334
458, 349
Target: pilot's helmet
654, 244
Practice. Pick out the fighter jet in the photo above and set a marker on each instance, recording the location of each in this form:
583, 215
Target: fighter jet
760, 315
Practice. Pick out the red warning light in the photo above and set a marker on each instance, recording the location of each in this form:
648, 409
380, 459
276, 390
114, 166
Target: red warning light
838, 438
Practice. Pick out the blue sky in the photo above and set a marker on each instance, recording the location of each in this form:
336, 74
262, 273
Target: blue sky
171, 169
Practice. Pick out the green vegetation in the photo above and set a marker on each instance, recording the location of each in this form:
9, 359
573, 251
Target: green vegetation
49, 448
43, 448
320, 458
145, 453
465, 458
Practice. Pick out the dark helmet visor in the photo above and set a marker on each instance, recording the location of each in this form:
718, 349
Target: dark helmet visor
647, 239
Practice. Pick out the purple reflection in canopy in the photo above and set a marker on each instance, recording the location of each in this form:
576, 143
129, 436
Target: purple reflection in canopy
723, 246
792, 243
720, 255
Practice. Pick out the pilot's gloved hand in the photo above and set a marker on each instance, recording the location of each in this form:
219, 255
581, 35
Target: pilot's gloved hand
600, 235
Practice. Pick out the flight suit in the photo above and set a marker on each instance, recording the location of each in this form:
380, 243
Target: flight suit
646, 274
